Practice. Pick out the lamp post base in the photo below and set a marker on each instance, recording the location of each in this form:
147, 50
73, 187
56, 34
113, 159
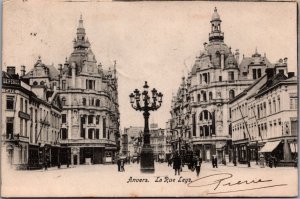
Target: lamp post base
147, 160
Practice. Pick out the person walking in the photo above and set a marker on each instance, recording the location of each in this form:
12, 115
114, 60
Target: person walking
170, 162
122, 165
119, 164
177, 164
198, 165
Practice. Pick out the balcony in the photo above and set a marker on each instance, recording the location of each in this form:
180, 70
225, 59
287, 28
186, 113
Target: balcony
15, 138
87, 141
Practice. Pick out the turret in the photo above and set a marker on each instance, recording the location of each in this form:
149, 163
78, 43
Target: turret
216, 34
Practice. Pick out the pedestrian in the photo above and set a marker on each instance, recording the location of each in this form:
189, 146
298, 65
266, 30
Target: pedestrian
198, 165
177, 164
122, 165
214, 161
119, 164
274, 161
170, 162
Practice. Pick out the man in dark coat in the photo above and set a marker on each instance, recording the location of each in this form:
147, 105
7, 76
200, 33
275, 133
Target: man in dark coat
198, 166
119, 164
176, 164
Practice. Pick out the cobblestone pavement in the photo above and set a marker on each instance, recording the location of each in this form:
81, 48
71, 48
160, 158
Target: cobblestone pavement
105, 180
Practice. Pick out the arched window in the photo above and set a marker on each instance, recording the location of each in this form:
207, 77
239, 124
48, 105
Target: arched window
231, 94
198, 97
83, 101
218, 58
210, 96
63, 101
97, 102
204, 96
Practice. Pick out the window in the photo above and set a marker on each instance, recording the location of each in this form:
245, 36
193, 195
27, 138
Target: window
10, 102
90, 133
83, 101
97, 119
9, 127
281, 71
258, 73
220, 78
231, 94
90, 119
82, 134
210, 96
35, 83
198, 97
21, 126
21, 104
97, 102
254, 73
104, 127
25, 128
204, 96
231, 76
64, 134
274, 105
26, 104
35, 115
270, 107
63, 84
63, 101
90, 84
293, 102
63, 118
97, 134
278, 99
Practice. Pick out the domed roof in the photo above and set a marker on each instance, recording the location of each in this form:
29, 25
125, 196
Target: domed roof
215, 15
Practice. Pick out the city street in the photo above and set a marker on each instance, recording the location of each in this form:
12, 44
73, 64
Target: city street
105, 180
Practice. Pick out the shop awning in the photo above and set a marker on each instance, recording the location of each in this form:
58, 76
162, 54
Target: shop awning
269, 146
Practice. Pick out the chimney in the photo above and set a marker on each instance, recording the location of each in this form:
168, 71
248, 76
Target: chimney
291, 74
23, 71
204, 44
285, 60
11, 70
269, 72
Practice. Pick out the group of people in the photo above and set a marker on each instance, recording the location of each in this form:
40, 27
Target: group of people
195, 164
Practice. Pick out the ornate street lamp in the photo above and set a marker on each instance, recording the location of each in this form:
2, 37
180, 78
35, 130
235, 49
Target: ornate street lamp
147, 161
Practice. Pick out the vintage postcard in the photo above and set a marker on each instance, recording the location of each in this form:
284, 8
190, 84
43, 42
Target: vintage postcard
141, 99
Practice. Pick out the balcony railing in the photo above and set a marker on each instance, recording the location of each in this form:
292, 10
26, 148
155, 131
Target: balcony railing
87, 141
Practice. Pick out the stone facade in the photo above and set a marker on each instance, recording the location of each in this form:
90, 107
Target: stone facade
265, 114
89, 97
200, 111
90, 117
31, 119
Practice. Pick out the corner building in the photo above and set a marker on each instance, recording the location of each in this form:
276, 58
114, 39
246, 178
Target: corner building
217, 76
89, 96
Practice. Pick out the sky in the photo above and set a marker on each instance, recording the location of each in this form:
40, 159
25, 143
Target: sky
150, 41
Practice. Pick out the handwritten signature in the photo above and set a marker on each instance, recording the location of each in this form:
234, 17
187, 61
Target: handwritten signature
215, 182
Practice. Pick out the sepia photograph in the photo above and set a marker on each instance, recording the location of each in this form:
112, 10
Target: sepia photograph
149, 99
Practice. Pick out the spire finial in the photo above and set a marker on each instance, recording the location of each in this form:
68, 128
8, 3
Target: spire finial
256, 50
80, 16
215, 9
